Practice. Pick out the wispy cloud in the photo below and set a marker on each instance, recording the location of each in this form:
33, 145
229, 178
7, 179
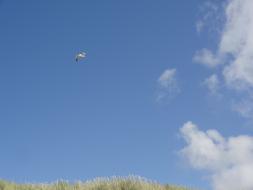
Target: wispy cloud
229, 161
234, 52
207, 58
235, 48
237, 42
213, 84
167, 78
244, 107
211, 16
167, 85
199, 26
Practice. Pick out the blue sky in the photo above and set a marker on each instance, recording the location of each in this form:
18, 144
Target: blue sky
101, 117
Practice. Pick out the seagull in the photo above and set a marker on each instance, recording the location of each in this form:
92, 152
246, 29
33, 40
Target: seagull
80, 55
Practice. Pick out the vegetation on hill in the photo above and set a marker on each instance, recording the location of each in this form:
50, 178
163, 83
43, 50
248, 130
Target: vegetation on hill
114, 183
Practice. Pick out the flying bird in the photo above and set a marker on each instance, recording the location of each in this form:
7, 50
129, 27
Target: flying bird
80, 56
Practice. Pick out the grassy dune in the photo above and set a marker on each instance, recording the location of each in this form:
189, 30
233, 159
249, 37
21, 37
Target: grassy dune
114, 183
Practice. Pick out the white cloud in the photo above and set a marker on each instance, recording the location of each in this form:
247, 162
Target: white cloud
210, 16
168, 86
244, 107
229, 161
237, 41
235, 48
199, 26
167, 78
213, 84
207, 58
234, 52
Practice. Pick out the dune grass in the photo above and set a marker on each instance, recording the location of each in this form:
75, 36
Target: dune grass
114, 183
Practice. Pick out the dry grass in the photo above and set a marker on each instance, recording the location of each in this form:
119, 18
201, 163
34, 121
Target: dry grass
114, 183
